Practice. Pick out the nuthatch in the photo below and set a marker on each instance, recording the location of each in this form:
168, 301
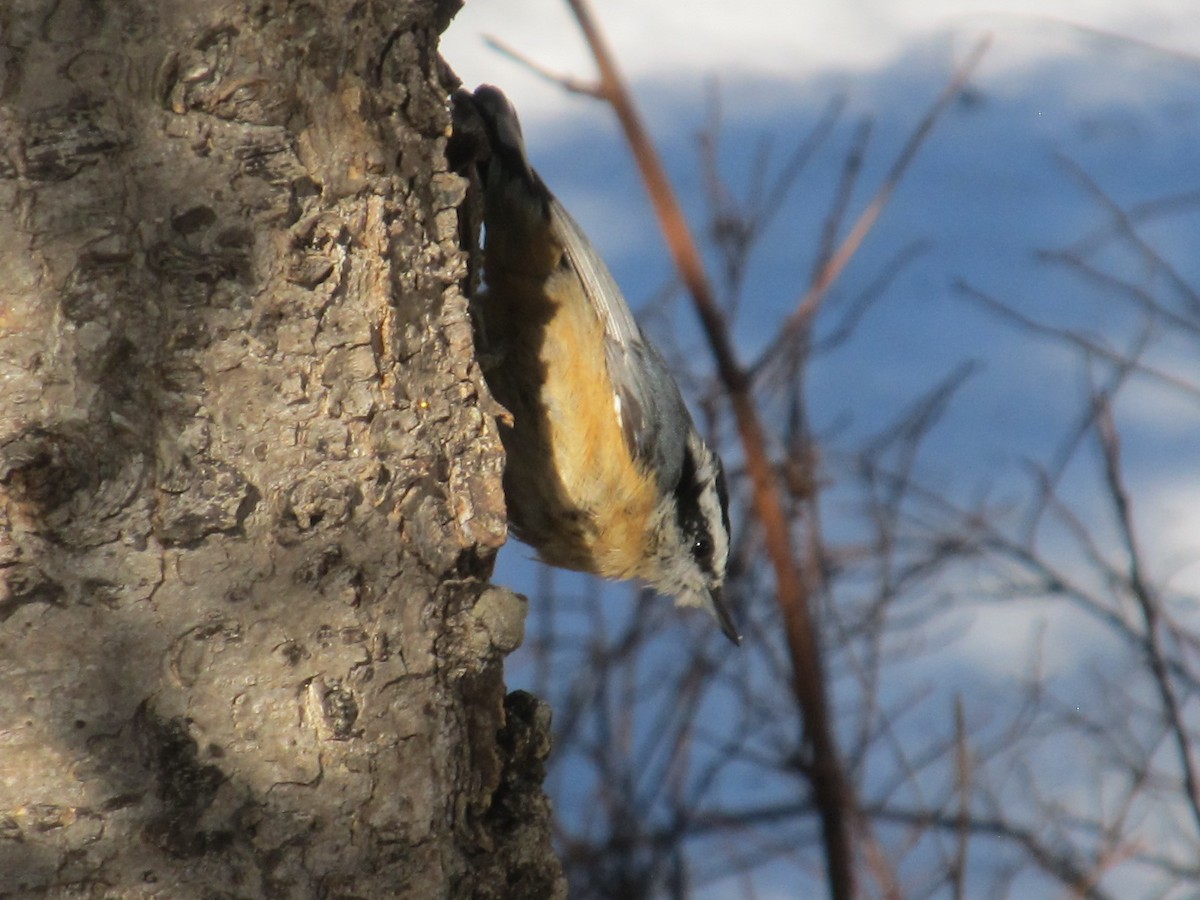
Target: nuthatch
606, 472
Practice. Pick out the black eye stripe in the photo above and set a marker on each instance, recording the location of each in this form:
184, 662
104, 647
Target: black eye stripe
692, 523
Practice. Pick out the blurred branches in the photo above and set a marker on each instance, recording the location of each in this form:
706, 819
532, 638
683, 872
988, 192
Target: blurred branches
843, 750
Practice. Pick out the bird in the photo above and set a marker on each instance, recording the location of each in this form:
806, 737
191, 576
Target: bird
605, 470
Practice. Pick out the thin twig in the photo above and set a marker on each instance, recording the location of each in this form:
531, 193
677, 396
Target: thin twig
962, 779
1074, 338
574, 85
1125, 224
806, 309
1148, 603
830, 788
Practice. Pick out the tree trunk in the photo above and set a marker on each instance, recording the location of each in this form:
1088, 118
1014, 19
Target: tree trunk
249, 477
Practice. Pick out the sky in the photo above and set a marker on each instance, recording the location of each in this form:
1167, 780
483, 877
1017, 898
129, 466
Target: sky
1103, 85
775, 40
1070, 91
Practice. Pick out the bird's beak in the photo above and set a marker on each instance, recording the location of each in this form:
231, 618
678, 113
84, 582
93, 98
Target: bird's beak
716, 606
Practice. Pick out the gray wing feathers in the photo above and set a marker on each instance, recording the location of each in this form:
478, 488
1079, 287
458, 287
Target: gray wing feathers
646, 399
598, 282
651, 410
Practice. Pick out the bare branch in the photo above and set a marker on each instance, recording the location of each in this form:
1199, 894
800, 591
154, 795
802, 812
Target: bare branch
574, 85
833, 793
1149, 604
802, 316
1076, 339
1127, 228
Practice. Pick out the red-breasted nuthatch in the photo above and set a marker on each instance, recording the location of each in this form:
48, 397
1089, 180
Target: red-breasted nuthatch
606, 472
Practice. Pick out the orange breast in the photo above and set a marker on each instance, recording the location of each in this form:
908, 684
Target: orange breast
573, 491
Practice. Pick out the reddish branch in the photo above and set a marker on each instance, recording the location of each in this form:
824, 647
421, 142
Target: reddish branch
831, 791
833, 796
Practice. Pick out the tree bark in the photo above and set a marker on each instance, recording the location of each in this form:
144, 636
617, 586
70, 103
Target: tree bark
249, 475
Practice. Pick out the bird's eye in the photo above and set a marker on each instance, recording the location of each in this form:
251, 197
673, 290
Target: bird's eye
703, 547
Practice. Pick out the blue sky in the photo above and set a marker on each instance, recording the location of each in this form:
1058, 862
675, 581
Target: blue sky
989, 190
1100, 86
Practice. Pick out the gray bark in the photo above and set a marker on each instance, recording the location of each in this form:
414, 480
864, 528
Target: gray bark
249, 475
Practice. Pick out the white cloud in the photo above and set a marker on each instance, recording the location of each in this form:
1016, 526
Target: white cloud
785, 39
1171, 536
1009, 640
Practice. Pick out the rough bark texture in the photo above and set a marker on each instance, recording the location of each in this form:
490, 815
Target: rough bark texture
249, 479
